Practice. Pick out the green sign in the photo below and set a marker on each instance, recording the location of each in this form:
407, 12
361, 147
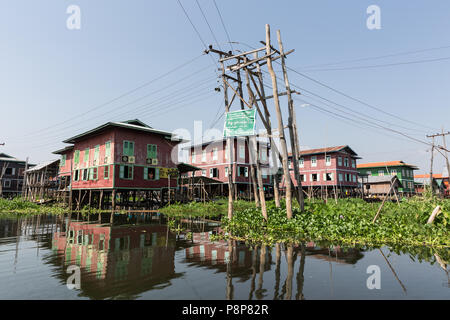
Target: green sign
240, 123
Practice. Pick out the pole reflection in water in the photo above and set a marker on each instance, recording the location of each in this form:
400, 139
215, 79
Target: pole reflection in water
138, 258
300, 276
277, 270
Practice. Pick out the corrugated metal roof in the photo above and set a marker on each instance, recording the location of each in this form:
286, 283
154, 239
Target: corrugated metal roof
385, 164
123, 125
327, 150
42, 165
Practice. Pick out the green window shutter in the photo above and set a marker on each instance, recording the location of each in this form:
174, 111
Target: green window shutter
91, 173
125, 148
108, 149
86, 155
152, 151
156, 173
96, 153
145, 173
77, 156
132, 172
131, 148
121, 172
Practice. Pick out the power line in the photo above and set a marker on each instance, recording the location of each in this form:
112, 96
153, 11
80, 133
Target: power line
209, 26
169, 86
350, 97
223, 25
196, 31
119, 97
356, 99
380, 65
373, 58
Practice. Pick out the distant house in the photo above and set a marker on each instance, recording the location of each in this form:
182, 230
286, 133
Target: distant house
123, 157
11, 175
440, 183
380, 185
212, 159
403, 171
331, 167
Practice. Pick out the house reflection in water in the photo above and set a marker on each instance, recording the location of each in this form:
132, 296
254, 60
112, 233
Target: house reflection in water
217, 255
118, 262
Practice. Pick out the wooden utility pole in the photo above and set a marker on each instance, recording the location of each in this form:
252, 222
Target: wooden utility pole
230, 146
287, 177
292, 124
276, 190
446, 154
24, 179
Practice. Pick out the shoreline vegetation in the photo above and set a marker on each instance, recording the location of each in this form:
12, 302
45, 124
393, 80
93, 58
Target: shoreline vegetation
347, 221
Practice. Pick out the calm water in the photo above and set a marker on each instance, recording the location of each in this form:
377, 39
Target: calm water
138, 258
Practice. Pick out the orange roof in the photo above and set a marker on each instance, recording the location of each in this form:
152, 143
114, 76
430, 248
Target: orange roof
435, 175
385, 164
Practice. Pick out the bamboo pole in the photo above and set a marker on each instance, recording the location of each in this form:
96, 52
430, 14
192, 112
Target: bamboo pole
287, 177
292, 124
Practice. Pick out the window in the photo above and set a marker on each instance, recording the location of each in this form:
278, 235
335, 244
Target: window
108, 149
346, 162
227, 150
303, 178
394, 172
340, 177
213, 173
86, 156
214, 153
381, 172
62, 163
204, 173
96, 154
263, 154
353, 163
152, 151
347, 177
340, 161
313, 161
328, 160
242, 171
354, 178
314, 177
328, 176
76, 158
76, 175
226, 171
126, 172
93, 173
403, 172
7, 183
84, 174
264, 173
106, 172
204, 156
302, 162
128, 148
9, 171
242, 151
151, 173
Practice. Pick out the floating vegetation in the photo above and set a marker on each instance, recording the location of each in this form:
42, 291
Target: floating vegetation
347, 221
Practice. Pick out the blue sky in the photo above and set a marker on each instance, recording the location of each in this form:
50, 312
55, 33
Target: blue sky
54, 82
